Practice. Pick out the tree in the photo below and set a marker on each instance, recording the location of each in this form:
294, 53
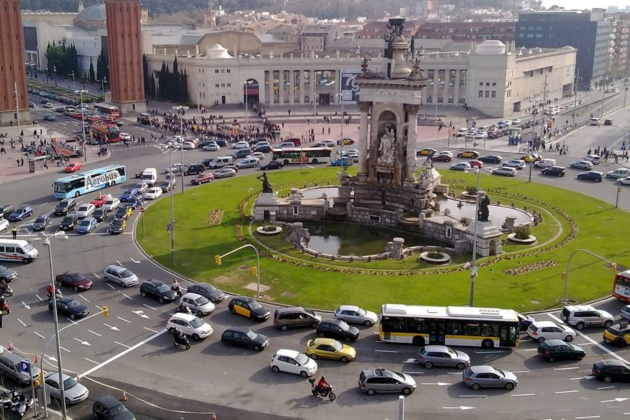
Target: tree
102, 66
91, 74
145, 76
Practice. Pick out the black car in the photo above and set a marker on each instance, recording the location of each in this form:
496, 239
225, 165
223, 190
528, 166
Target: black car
194, 169
249, 308
64, 206
70, 307
100, 214
42, 222
490, 159
242, 153
591, 176
551, 350
611, 370
119, 123
274, 164
554, 171
117, 226
221, 143
335, 328
69, 222
208, 291
6, 210
165, 186
122, 213
157, 290
262, 149
109, 408
244, 337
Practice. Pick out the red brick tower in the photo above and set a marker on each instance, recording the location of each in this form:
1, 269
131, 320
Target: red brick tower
12, 65
124, 48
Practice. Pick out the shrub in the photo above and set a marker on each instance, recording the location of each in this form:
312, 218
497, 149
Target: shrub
471, 190
436, 253
269, 228
522, 232
466, 221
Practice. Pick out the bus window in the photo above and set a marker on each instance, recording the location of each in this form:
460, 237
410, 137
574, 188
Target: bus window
10, 249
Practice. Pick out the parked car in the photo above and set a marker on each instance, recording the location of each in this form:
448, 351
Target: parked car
612, 370
547, 330
594, 159
426, 152
515, 163
244, 337
242, 153
121, 275
624, 313
618, 335
249, 308
11, 367
73, 280
591, 176
437, 355
554, 171
378, 380
475, 163
69, 222
248, 162
190, 325
581, 164
442, 158
334, 328
295, 317
157, 290
107, 407
7, 275
69, 307
212, 147
327, 348
111, 204
42, 222
202, 179
552, 350
461, 166
194, 169
477, 377
580, 316
140, 188
6, 210
291, 361
354, 315
74, 392
224, 173
153, 193
197, 304
87, 225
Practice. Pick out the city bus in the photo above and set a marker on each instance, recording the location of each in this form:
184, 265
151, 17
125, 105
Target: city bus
88, 181
105, 131
451, 325
302, 155
621, 287
111, 110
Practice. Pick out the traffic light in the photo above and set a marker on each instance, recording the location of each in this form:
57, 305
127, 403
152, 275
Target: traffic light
255, 271
613, 267
105, 311
217, 259
563, 275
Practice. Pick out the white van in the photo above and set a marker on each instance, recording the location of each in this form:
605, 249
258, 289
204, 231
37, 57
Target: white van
220, 162
17, 250
149, 176
545, 163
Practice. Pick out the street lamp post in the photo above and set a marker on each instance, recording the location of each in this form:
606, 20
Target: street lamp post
55, 73
72, 74
181, 109
473, 268
172, 225
246, 102
81, 92
17, 108
48, 243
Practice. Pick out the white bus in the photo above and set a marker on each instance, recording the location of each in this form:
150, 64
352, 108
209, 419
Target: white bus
451, 325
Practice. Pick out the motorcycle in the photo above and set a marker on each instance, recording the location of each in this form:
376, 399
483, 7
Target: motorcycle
180, 340
6, 291
8, 399
58, 295
24, 404
184, 309
4, 305
177, 290
318, 392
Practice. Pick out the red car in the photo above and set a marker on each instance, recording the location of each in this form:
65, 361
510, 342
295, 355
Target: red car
202, 178
73, 167
442, 158
74, 280
476, 164
98, 202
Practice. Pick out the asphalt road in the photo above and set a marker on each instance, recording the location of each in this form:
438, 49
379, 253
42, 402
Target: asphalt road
130, 351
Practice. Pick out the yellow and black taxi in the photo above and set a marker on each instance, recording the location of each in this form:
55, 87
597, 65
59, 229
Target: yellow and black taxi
249, 308
426, 152
618, 335
531, 157
470, 154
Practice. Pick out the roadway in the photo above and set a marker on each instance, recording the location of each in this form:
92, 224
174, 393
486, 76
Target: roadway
130, 348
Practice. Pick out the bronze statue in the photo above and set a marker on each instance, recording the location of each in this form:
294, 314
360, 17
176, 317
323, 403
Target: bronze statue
484, 213
266, 186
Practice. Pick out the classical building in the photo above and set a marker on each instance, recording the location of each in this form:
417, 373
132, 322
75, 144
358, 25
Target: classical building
13, 95
124, 44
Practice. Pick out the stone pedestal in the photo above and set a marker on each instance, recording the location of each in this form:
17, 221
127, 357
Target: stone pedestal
488, 238
397, 248
266, 207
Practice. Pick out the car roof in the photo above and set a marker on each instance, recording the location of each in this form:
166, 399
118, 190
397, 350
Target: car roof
436, 348
325, 341
482, 369
154, 282
612, 362
108, 401
193, 296
238, 328
14, 357
243, 298
347, 308
183, 316
115, 267
55, 376
287, 352
573, 308
554, 342
541, 324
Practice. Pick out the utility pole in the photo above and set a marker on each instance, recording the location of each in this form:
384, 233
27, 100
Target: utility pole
625, 91
603, 95
575, 95
17, 108
542, 125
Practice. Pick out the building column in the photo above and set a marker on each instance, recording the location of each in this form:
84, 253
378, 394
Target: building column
457, 82
363, 140
291, 87
447, 82
281, 87
436, 79
301, 76
412, 139
312, 86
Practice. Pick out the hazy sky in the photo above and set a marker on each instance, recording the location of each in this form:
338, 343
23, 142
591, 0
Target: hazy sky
585, 4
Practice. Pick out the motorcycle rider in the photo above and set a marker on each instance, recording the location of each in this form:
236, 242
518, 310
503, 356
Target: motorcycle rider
176, 287
183, 308
52, 289
179, 337
322, 385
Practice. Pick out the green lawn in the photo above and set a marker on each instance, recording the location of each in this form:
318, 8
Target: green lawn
570, 221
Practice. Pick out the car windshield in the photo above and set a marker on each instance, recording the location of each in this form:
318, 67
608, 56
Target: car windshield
344, 326
40, 220
302, 359
252, 335
127, 192
77, 277
337, 345
117, 222
126, 273
116, 410
85, 222
3, 268
500, 373
396, 375
163, 288
361, 312
254, 304
196, 322
200, 301
69, 383
452, 352
73, 304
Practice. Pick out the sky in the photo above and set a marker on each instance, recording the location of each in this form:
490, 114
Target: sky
585, 4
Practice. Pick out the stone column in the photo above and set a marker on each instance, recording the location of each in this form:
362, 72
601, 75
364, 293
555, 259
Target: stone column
436, 79
301, 76
457, 82
363, 140
312, 86
291, 87
281, 87
447, 82
412, 138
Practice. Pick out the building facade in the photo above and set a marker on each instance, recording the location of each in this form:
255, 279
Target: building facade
586, 31
468, 31
317, 37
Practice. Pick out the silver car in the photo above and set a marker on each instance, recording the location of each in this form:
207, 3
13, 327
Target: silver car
120, 275
355, 315
198, 304
10, 366
73, 390
625, 312
477, 377
372, 381
430, 356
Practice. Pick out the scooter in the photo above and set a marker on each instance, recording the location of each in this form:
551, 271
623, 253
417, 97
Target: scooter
24, 405
6, 291
58, 295
4, 305
328, 392
184, 309
7, 400
180, 341
177, 290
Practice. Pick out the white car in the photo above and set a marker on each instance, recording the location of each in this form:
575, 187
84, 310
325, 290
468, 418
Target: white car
198, 304
73, 391
354, 315
286, 145
248, 162
125, 136
330, 143
582, 164
190, 325
240, 145
212, 147
480, 135
85, 210
153, 193
516, 121
258, 155
4, 224
461, 166
140, 188
188, 145
618, 173
446, 153
119, 274
176, 168
224, 173
594, 159
111, 204
292, 361
547, 330
624, 181
515, 163
505, 171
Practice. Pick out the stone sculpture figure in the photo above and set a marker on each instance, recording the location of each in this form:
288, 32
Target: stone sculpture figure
483, 209
386, 148
266, 186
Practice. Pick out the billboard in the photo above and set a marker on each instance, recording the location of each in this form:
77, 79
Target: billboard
349, 90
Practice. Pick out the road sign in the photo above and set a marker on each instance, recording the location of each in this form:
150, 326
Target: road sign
141, 209
25, 366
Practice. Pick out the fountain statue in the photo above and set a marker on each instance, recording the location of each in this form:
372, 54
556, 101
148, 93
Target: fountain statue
484, 213
386, 149
266, 186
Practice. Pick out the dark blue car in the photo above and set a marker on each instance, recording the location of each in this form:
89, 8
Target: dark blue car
127, 195
70, 308
21, 213
134, 202
591, 176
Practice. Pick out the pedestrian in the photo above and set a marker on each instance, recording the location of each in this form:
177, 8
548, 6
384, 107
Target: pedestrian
22, 162
46, 164
14, 232
1, 318
18, 162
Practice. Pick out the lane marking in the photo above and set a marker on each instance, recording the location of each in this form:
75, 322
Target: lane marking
119, 263
520, 371
81, 296
587, 417
522, 395
387, 351
95, 333
590, 340
416, 373
606, 387
490, 352
150, 307
137, 262
65, 349
119, 355
70, 320
20, 321
40, 299
128, 297
472, 396
97, 276
123, 319
121, 344
91, 361
567, 392
582, 377
530, 350
38, 334
568, 368
111, 286
150, 329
